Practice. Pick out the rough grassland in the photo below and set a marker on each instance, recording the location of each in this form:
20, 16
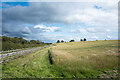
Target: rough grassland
32, 65
90, 59
87, 59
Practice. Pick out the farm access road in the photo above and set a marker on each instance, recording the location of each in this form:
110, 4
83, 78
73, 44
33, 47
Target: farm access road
6, 57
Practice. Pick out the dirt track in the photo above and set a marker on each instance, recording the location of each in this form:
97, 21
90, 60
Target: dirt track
5, 57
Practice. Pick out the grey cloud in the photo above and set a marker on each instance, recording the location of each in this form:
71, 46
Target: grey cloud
36, 13
43, 12
26, 30
14, 34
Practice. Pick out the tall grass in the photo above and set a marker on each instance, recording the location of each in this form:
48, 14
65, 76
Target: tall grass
86, 59
90, 59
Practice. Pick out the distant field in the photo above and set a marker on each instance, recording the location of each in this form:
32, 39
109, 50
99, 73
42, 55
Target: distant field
90, 59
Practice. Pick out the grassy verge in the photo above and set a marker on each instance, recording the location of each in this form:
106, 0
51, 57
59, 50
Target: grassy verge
34, 65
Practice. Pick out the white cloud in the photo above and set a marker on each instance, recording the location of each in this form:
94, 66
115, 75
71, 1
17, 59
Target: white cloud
79, 30
94, 37
39, 26
94, 17
46, 29
109, 37
108, 30
91, 30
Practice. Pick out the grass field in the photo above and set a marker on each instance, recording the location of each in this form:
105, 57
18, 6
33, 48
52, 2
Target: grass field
86, 59
90, 59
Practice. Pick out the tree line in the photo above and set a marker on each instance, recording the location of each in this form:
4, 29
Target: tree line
58, 41
9, 43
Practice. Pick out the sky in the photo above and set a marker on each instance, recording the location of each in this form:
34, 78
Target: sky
52, 21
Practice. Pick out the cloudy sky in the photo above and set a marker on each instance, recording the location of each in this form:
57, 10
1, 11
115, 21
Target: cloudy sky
52, 21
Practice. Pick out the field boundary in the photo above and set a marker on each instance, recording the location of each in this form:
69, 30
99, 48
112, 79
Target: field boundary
50, 57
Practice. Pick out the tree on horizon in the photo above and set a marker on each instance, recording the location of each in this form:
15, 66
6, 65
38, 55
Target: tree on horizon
81, 40
72, 40
84, 39
58, 41
62, 41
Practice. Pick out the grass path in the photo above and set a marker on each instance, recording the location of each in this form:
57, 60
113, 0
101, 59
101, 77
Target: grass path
32, 65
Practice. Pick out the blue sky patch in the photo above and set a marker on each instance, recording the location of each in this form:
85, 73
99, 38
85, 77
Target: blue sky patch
12, 4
